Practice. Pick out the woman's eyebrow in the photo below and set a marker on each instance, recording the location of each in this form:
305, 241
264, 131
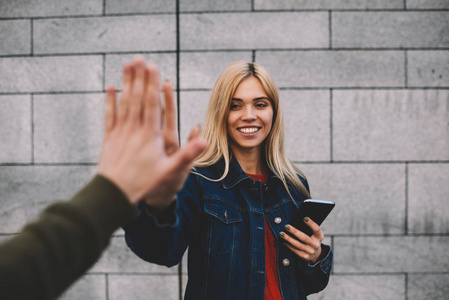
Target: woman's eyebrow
255, 99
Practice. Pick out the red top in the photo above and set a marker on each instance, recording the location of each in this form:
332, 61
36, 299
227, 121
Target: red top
272, 286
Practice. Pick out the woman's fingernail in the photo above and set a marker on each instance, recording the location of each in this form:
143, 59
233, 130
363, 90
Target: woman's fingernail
287, 227
306, 219
282, 234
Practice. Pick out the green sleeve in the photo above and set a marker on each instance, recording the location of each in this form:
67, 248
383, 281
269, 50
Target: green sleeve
66, 240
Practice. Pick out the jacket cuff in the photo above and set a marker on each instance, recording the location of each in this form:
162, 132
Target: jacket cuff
324, 264
168, 219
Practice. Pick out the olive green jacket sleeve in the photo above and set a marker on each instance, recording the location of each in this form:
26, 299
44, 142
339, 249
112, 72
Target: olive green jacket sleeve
67, 239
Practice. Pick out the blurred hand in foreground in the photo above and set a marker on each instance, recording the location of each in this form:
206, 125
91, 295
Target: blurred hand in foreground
140, 151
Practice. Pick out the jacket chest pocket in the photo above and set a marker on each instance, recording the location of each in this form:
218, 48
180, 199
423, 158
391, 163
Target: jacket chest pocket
224, 227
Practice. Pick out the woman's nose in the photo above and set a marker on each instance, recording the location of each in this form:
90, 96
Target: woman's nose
248, 114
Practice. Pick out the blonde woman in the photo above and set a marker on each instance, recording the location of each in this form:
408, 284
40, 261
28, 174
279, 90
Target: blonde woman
234, 209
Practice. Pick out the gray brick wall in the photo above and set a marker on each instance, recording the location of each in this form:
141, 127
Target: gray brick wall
365, 91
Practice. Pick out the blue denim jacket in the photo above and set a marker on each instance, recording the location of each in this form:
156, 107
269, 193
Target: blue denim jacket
222, 223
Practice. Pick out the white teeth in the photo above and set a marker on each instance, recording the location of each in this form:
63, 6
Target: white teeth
248, 130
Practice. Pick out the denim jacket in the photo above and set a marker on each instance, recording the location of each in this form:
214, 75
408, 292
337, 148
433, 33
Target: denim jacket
222, 223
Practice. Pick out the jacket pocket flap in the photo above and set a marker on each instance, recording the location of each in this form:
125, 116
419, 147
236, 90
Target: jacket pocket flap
221, 210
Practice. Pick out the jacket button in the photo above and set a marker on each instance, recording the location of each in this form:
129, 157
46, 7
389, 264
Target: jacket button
277, 220
286, 262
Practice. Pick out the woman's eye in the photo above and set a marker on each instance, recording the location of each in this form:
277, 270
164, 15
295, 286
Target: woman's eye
261, 105
234, 106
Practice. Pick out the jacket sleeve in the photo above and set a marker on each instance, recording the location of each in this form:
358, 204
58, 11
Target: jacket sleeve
66, 240
315, 277
164, 240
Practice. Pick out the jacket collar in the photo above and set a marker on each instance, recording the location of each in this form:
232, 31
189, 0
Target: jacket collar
235, 174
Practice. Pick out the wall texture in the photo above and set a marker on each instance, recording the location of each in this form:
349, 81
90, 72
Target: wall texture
364, 85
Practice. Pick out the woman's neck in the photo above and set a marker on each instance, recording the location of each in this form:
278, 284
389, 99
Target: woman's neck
251, 162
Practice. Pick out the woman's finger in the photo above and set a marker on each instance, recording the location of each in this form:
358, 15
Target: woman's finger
317, 233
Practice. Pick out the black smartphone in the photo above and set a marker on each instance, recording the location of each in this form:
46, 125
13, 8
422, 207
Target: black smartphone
317, 210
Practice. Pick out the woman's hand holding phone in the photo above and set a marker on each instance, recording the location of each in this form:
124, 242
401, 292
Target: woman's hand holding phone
306, 247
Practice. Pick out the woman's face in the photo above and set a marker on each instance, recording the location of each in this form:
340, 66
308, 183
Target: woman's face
251, 115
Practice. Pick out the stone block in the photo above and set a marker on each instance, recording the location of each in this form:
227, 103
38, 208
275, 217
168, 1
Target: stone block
192, 111
118, 258
140, 7
428, 192
428, 68
370, 198
88, 287
46, 8
307, 125
428, 286
334, 69
390, 125
214, 5
366, 287
105, 34
427, 4
15, 36
406, 29
143, 287
200, 70
254, 30
50, 74
391, 254
166, 63
68, 128
328, 4
15, 129
26, 190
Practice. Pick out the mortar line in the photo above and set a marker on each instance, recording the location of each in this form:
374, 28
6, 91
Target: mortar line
106, 275
178, 78
178, 106
104, 72
32, 127
330, 29
331, 124
406, 286
406, 199
406, 68
31, 37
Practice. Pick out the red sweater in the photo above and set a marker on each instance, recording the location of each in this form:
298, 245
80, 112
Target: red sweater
272, 286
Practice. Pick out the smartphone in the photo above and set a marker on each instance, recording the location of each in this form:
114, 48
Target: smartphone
317, 210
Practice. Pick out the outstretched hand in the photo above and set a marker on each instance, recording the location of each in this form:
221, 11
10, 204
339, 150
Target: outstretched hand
140, 154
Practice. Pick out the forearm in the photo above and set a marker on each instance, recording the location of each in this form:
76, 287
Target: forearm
67, 239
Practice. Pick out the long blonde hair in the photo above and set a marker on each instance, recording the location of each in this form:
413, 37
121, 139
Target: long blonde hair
215, 125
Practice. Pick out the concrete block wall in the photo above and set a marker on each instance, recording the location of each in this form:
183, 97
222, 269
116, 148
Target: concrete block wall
365, 91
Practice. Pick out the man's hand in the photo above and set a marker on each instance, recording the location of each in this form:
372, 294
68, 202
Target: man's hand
138, 155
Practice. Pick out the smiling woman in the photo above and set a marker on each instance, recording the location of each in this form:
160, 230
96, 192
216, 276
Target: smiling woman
249, 122
234, 208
